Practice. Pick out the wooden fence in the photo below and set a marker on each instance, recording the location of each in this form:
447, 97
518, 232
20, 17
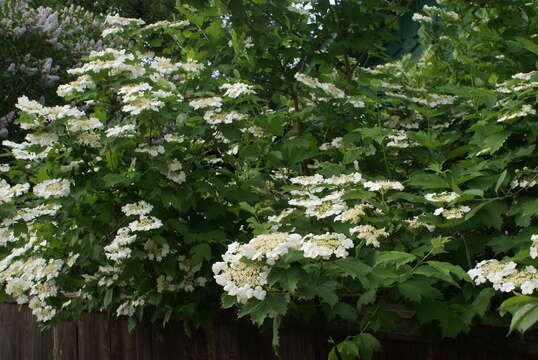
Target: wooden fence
100, 338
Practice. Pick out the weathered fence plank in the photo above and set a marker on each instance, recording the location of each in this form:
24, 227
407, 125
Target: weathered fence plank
99, 338
65, 342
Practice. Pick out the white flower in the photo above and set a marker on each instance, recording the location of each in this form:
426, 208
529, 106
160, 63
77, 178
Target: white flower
164, 65
215, 118
151, 150
6, 236
192, 66
29, 106
271, 246
122, 21
383, 185
534, 246
124, 131
239, 279
453, 213
174, 138
203, 103
138, 208
78, 125
369, 233
325, 245
145, 223
154, 252
4, 168
52, 188
352, 215
237, 89
8, 192
444, 196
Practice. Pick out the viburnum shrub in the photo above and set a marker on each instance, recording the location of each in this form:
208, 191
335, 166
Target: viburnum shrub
349, 190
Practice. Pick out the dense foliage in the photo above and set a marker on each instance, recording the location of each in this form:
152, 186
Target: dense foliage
272, 154
39, 44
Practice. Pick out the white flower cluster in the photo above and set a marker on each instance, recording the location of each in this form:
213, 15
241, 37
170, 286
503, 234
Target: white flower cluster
452, 213
444, 196
369, 234
238, 89
216, 118
30, 214
399, 140
119, 249
383, 185
121, 131
150, 150
175, 172
505, 276
154, 252
202, 103
8, 192
139, 208
31, 281
415, 223
326, 87
52, 188
335, 143
326, 245
270, 246
525, 110
240, 279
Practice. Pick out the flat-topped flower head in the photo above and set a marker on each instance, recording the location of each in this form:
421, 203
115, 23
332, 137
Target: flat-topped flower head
383, 185
8, 192
123, 21
270, 246
239, 279
353, 214
326, 245
202, 103
452, 213
369, 234
138, 208
145, 223
52, 188
444, 196
237, 89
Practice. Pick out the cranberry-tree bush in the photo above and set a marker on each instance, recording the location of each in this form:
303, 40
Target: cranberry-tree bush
318, 186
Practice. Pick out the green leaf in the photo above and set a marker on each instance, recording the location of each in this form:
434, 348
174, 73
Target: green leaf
114, 179
227, 301
345, 311
286, 278
529, 45
131, 324
500, 180
367, 298
515, 300
326, 291
418, 289
108, 297
396, 258
367, 344
525, 317
273, 304
428, 181
480, 304
352, 267
200, 252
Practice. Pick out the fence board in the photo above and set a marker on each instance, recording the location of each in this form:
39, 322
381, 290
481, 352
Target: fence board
94, 338
99, 338
65, 342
